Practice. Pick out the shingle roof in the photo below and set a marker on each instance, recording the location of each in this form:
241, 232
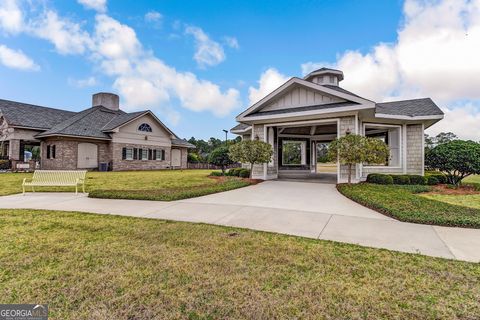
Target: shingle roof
340, 89
87, 123
32, 116
411, 108
306, 108
122, 118
240, 127
182, 143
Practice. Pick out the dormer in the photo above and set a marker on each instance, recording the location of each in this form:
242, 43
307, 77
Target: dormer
324, 76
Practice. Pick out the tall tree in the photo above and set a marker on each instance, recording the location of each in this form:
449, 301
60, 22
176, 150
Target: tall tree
352, 149
251, 152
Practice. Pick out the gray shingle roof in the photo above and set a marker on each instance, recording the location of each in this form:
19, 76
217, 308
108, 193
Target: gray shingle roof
87, 123
340, 89
32, 116
306, 108
122, 118
240, 126
182, 143
411, 108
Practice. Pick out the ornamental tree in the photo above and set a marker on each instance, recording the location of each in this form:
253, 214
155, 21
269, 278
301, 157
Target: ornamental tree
456, 159
353, 148
220, 157
252, 152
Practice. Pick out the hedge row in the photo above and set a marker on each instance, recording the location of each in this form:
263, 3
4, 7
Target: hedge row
235, 172
407, 179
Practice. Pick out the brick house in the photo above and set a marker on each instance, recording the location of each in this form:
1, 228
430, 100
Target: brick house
84, 140
303, 115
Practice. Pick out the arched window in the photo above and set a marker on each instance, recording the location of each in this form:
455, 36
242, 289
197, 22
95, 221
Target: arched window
145, 127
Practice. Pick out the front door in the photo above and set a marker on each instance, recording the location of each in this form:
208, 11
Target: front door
87, 156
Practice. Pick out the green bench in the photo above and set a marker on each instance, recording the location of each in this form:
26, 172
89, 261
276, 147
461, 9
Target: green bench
56, 178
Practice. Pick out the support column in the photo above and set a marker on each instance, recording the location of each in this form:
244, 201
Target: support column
14, 150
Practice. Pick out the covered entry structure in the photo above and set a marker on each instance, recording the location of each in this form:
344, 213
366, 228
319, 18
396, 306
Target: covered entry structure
302, 116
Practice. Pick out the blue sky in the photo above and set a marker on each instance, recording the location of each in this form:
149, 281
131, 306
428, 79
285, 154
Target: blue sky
197, 64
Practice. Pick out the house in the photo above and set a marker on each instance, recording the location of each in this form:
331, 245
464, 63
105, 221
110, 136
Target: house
83, 140
302, 116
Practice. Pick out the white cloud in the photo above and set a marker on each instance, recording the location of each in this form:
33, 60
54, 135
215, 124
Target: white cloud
83, 83
11, 17
98, 5
16, 59
232, 42
67, 36
153, 16
435, 55
269, 80
208, 52
463, 121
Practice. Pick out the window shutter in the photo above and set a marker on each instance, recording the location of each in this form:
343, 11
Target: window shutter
135, 153
48, 152
54, 149
124, 153
154, 154
140, 152
150, 154
163, 154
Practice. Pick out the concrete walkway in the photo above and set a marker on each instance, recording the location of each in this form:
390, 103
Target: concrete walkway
305, 209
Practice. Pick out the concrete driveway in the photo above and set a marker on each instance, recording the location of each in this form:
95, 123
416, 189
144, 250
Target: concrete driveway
305, 209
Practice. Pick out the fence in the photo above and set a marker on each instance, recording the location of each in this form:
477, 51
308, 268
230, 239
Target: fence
199, 165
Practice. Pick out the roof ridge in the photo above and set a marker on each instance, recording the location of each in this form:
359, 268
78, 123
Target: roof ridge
405, 100
37, 106
70, 121
119, 115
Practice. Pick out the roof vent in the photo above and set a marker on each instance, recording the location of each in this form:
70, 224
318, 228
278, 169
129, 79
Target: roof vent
108, 100
325, 76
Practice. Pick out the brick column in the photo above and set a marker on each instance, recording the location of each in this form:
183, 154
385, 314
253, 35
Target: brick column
14, 149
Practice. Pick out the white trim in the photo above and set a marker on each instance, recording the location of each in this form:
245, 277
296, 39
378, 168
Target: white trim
404, 156
423, 149
265, 165
305, 83
71, 136
308, 113
399, 117
241, 131
401, 144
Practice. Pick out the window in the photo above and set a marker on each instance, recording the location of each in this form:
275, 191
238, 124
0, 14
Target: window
145, 127
51, 151
391, 136
294, 153
127, 154
143, 154
160, 154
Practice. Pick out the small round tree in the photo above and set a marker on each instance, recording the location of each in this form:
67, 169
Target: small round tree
456, 159
252, 152
353, 148
220, 157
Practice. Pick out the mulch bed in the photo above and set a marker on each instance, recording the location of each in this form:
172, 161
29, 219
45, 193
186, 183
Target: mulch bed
449, 190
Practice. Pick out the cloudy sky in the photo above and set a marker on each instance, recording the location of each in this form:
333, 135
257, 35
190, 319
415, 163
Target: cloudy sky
197, 64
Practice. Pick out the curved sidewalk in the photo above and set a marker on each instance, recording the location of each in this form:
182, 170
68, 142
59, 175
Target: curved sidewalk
296, 208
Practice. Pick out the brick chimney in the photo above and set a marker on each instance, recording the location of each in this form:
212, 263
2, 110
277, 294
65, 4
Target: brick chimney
106, 99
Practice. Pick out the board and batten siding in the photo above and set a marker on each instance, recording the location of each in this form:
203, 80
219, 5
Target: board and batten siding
300, 96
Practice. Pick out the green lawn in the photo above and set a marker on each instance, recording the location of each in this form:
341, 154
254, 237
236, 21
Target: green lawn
161, 185
406, 203
472, 179
88, 266
469, 200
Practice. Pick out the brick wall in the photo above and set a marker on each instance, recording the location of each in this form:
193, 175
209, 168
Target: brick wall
415, 149
122, 165
66, 153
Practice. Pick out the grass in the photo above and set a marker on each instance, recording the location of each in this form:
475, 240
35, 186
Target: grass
151, 185
469, 200
406, 203
89, 266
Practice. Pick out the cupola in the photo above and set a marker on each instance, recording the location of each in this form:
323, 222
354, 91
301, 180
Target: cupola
325, 76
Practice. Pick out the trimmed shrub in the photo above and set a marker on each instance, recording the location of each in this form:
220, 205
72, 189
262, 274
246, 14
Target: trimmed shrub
432, 180
442, 179
234, 172
417, 179
379, 178
216, 174
401, 179
4, 164
244, 173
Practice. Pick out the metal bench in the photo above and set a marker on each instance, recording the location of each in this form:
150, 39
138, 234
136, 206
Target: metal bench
56, 178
